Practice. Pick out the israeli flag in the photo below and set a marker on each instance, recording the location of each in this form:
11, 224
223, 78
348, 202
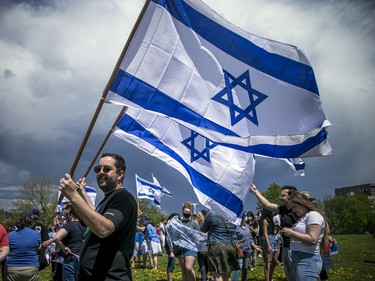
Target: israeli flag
150, 191
235, 88
296, 164
91, 194
162, 188
220, 176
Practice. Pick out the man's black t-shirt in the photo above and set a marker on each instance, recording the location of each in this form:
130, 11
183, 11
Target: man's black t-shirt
73, 240
286, 220
109, 258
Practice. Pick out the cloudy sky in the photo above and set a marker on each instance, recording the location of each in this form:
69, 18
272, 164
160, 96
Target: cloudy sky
57, 56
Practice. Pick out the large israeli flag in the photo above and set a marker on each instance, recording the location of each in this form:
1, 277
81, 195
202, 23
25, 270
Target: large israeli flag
250, 93
220, 176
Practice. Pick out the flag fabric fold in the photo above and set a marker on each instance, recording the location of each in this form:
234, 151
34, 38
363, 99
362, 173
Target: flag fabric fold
150, 190
163, 189
296, 164
186, 237
235, 88
220, 176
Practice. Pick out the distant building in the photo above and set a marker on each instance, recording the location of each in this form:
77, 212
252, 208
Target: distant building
367, 189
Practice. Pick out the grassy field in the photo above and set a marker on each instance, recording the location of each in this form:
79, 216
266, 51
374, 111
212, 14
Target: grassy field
355, 261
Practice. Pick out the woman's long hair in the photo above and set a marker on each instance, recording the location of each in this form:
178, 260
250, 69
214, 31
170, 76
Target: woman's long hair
303, 200
267, 215
199, 218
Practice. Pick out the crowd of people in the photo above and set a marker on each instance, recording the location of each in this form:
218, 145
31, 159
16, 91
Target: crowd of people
106, 242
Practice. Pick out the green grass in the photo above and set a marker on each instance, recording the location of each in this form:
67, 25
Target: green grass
355, 261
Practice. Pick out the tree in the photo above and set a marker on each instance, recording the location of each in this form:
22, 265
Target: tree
353, 214
151, 212
6, 218
272, 194
38, 193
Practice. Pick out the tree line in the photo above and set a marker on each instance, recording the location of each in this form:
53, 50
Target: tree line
346, 215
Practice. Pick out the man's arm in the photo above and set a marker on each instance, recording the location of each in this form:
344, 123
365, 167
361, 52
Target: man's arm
61, 234
97, 223
4, 243
267, 204
4, 252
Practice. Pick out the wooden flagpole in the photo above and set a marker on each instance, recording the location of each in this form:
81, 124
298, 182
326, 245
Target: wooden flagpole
104, 95
136, 196
123, 110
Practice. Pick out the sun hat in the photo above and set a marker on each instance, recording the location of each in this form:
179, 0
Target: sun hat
308, 195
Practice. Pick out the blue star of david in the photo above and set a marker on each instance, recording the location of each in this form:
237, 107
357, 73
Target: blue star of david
194, 153
151, 190
255, 97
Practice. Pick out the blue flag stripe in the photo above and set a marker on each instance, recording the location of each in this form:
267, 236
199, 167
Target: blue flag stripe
283, 151
153, 99
90, 189
146, 195
280, 67
199, 181
156, 202
144, 183
299, 166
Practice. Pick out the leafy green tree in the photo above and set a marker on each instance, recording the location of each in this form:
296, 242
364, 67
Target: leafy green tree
6, 218
38, 192
272, 194
349, 215
150, 211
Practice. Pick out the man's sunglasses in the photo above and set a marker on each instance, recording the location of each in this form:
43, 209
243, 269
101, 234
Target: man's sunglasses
106, 169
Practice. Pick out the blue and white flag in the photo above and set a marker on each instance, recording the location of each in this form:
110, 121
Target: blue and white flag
220, 176
235, 88
91, 194
163, 189
150, 191
296, 164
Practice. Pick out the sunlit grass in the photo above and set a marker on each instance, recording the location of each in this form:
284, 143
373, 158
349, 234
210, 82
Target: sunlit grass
355, 261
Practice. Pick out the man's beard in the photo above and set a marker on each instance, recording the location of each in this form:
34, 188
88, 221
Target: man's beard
106, 184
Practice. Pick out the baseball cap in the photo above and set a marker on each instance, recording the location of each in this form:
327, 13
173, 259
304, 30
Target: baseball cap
28, 216
36, 212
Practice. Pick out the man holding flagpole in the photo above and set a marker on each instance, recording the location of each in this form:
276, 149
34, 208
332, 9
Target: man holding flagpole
108, 243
